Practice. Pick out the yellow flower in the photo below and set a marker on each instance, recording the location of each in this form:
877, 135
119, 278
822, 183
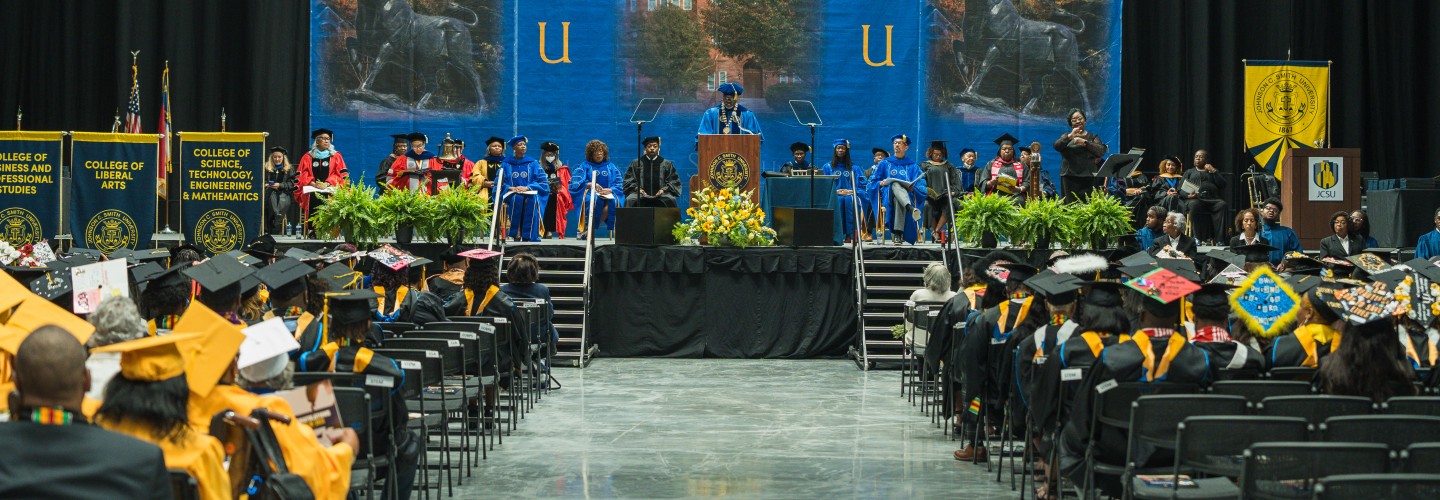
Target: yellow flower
690, 212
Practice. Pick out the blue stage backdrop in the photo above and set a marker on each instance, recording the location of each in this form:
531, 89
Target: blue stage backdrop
963, 71
30, 183
113, 176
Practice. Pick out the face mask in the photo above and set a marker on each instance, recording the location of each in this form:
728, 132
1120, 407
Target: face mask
549, 157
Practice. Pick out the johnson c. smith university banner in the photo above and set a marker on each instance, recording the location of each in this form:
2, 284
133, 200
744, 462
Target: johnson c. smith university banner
1286, 106
220, 184
29, 186
113, 202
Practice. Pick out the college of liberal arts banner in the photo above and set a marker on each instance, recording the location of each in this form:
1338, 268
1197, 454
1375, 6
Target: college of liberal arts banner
220, 181
962, 71
29, 186
112, 203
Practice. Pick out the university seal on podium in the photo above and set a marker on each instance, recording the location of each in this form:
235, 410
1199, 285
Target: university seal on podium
728, 170
19, 226
111, 230
219, 231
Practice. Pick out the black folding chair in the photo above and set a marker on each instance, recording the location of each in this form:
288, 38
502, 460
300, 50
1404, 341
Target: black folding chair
1421, 458
183, 486
423, 370
378, 407
1396, 431
1297, 373
1314, 408
1378, 486
1154, 421
471, 378
1111, 413
1214, 446
1289, 470
1258, 390
1412, 405
355, 410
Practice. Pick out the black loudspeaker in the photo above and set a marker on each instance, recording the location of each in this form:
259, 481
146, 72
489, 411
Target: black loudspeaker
645, 226
805, 227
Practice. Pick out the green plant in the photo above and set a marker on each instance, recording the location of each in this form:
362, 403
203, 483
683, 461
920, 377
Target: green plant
457, 212
403, 207
1097, 219
352, 210
993, 213
897, 331
1045, 219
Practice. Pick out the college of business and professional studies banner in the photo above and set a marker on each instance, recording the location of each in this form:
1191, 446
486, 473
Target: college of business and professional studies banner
29, 186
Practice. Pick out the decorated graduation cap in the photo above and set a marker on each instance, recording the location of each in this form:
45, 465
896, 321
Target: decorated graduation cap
151, 359
1374, 302
1230, 275
1254, 252
1265, 303
33, 313
479, 254
26, 274
1084, 265
322, 131
348, 308
654, 139
265, 352
1018, 272
1006, 139
220, 274
1058, 289
284, 272
799, 146
341, 277
90, 254
549, 146
730, 88
53, 286
900, 137
212, 349
1424, 291
1369, 262
516, 140
1163, 285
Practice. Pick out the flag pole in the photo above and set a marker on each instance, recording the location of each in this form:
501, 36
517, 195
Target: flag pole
164, 168
115, 127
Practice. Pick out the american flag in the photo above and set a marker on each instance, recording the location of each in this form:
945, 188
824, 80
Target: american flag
164, 164
132, 111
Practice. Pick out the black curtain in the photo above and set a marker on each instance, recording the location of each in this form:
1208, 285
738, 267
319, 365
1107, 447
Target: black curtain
1184, 82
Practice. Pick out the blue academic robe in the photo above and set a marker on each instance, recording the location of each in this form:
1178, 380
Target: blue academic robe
1429, 245
904, 169
845, 205
606, 175
967, 177
1147, 236
1282, 238
710, 122
525, 210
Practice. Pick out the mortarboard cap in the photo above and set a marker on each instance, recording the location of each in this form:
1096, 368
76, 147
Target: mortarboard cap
479, 254
1137, 259
32, 312
25, 274
1137, 270
265, 351
219, 273
1391, 278
878, 151
730, 88
151, 359
302, 255
262, 247
211, 350
900, 137
1255, 252
398, 138
549, 146
1163, 285
1018, 272
275, 149
1212, 294
966, 150
123, 253
341, 277
940, 145
322, 131
516, 140
493, 140
1103, 293
840, 142
52, 286
1226, 257
799, 146
1304, 283
152, 255
1368, 304
284, 272
416, 136
654, 139
1369, 262
1185, 268
1424, 268
241, 257
1056, 288
141, 273
90, 254
1265, 302
350, 307
171, 276
1004, 138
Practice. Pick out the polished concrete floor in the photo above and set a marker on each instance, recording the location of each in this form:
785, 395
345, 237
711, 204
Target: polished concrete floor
663, 428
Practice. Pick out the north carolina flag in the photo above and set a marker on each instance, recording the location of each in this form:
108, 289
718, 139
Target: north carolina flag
1286, 106
163, 168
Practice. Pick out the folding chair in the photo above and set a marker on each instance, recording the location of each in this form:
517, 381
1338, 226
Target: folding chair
1289, 470
1421, 458
1257, 390
423, 370
1412, 405
471, 377
1154, 422
1396, 431
1378, 486
1314, 408
355, 410
1297, 373
1213, 446
1111, 413
452, 363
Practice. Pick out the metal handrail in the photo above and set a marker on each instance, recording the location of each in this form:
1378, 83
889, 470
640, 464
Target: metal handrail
585, 280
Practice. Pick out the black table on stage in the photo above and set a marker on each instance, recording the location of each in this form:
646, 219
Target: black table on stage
1399, 216
691, 301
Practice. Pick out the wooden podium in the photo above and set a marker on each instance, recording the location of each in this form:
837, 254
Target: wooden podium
1318, 183
729, 161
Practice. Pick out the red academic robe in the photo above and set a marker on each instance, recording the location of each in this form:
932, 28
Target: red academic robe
402, 164
563, 202
306, 176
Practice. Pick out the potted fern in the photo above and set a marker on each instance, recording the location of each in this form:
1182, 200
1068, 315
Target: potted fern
404, 209
1097, 220
351, 211
457, 213
982, 217
1042, 221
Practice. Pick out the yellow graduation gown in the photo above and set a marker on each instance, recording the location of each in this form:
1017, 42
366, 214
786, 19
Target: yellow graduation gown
325, 470
195, 452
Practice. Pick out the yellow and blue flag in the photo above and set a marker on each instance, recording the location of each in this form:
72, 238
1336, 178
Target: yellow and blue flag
1286, 106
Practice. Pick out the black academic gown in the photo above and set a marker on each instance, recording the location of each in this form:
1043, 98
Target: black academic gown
78, 461
311, 356
944, 340
1030, 355
1232, 356
500, 306
420, 307
653, 176
1048, 405
983, 358
1297, 349
443, 289
1122, 362
1185, 244
348, 359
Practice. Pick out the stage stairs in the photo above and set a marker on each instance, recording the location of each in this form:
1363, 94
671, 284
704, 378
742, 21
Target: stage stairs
889, 274
562, 269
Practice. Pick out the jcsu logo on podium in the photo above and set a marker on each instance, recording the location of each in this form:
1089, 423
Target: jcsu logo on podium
1326, 183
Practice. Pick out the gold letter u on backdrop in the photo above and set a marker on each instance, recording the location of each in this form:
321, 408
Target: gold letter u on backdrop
564, 43
864, 45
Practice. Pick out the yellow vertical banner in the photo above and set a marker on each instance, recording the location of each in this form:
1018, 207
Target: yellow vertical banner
1286, 106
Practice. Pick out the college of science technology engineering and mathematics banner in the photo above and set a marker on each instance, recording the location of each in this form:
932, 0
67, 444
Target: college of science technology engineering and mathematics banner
29, 186
114, 185
221, 178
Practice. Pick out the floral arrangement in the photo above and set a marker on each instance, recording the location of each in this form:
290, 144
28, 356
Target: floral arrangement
725, 218
19, 257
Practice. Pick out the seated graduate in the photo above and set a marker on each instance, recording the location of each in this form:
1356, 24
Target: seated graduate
899, 184
1341, 243
325, 469
52, 451
411, 170
984, 359
1060, 291
297, 297
165, 297
1157, 352
847, 183
1165, 189
1428, 246
220, 280
482, 297
1154, 226
525, 190
1173, 244
449, 281
798, 159
650, 180
1103, 323
254, 301
1370, 362
402, 294
1318, 334
981, 290
149, 401
607, 185
352, 331
116, 320
1210, 306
